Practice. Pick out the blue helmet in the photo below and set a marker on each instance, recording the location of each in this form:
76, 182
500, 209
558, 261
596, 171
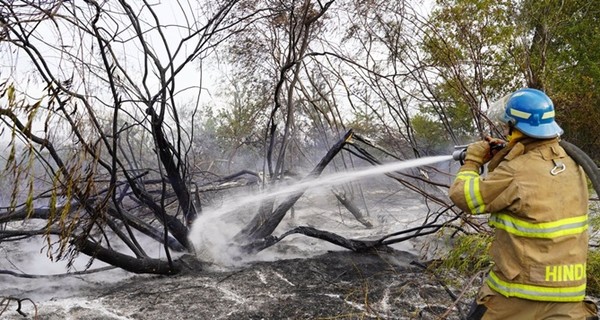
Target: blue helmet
532, 112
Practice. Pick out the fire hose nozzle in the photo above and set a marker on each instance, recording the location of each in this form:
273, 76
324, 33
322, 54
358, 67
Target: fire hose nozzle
459, 153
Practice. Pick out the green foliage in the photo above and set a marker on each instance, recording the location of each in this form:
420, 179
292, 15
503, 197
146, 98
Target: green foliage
593, 273
429, 132
570, 72
366, 123
593, 263
243, 121
484, 49
236, 125
470, 42
469, 254
470, 31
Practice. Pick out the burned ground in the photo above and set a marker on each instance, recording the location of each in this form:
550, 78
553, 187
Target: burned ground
335, 285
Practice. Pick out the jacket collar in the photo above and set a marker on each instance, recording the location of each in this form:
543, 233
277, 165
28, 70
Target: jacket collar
518, 147
531, 143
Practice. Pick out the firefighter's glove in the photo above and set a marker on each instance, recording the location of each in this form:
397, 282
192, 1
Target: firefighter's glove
478, 153
495, 144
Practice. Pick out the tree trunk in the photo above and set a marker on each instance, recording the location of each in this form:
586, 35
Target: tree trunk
264, 223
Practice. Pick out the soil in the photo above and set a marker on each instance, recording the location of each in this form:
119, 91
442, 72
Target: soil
335, 285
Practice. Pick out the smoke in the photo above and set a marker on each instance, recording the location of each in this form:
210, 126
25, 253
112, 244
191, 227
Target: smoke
213, 231
50, 278
26, 257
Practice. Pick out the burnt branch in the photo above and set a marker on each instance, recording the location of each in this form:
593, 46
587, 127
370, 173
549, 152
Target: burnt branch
264, 223
348, 204
125, 262
356, 245
5, 302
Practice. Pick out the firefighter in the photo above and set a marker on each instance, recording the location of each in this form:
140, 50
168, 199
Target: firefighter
537, 198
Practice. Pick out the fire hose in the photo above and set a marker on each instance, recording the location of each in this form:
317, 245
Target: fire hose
582, 159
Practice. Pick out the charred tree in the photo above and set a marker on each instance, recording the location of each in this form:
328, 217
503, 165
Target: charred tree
101, 158
265, 222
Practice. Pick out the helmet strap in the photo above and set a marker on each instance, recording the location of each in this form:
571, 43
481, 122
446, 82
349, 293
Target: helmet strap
513, 133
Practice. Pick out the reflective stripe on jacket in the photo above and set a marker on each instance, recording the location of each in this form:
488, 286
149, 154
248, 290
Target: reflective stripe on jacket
540, 220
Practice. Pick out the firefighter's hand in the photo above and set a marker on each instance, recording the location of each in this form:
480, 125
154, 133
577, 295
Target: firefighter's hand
495, 144
478, 152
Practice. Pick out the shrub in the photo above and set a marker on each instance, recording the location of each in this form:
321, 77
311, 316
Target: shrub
469, 254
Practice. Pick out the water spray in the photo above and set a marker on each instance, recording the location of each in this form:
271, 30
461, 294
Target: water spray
213, 230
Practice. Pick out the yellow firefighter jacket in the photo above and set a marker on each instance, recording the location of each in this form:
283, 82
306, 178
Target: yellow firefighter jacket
537, 199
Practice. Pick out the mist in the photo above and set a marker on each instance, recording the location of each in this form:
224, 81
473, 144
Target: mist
213, 231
